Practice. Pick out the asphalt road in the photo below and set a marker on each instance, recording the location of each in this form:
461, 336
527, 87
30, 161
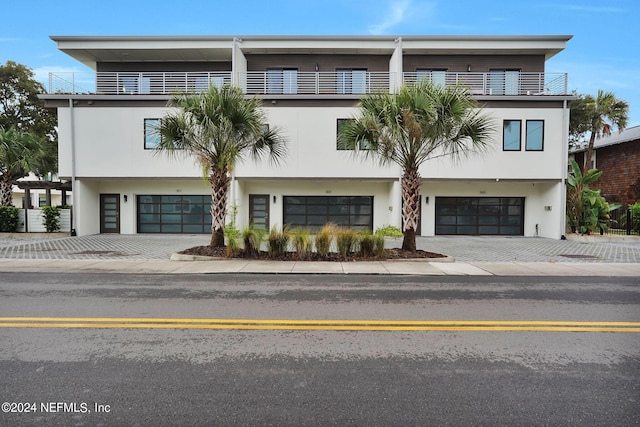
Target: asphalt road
156, 350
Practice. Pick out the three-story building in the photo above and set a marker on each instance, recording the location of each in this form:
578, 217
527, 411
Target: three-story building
308, 85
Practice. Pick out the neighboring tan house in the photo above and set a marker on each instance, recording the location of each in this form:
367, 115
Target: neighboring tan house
309, 84
618, 157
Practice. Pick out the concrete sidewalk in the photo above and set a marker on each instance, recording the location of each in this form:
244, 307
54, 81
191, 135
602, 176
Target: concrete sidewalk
502, 256
424, 268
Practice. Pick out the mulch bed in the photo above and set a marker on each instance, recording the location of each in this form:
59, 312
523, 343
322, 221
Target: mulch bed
292, 256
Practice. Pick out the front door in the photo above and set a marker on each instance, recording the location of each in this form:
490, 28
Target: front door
110, 213
259, 211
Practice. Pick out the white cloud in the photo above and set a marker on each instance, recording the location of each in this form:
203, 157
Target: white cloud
396, 16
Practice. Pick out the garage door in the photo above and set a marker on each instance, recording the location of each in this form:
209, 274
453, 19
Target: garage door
174, 214
502, 216
313, 212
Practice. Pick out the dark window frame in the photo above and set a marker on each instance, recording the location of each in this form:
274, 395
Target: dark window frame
526, 139
362, 145
504, 127
147, 134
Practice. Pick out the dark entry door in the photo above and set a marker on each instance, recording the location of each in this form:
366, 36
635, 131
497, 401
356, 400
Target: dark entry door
110, 213
259, 211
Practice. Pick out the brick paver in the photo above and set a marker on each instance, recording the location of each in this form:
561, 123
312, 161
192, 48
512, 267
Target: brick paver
463, 249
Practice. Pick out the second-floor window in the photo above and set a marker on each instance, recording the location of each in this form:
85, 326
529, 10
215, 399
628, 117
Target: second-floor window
362, 145
535, 135
151, 135
511, 135
282, 80
351, 80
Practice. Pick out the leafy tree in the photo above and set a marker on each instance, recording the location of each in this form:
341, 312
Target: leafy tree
587, 210
20, 153
20, 106
597, 115
409, 128
219, 127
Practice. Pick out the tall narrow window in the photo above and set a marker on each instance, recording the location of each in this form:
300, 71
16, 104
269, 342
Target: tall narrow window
511, 135
151, 135
535, 135
362, 145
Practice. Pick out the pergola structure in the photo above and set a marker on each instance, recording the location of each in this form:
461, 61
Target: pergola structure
43, 185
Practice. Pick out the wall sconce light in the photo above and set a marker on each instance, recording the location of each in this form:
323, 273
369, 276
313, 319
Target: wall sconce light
317, 67
426, 200
126, 198
469, 68
274, 199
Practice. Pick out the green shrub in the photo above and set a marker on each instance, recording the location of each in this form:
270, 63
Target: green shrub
635, 216
345, 240
367, 244
51, 218
8, 219
278, 242
378, 244
252, 238
232, 234
389, 231
324, 238
301, 242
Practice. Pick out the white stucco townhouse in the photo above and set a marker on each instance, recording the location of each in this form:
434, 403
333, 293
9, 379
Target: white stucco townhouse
308, 84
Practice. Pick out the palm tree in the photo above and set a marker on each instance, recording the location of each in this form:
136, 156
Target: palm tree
598, 111
417, 124
218, 127
21, 153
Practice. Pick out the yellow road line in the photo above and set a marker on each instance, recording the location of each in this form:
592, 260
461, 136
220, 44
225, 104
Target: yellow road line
318, 324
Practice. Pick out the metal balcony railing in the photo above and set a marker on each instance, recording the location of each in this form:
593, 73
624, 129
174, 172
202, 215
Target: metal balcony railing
289, 82
136, 83
497, 82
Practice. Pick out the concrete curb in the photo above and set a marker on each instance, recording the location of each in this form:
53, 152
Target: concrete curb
183, 257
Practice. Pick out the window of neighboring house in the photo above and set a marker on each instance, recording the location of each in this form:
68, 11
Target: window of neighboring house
362, 145
282, 80
504, 82
511, 135
350, 80
535, 135
151, 136
435, 76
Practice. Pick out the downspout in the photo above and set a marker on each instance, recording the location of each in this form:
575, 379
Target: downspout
565, 162
74, 190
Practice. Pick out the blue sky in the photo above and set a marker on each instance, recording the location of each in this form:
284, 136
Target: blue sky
603, 54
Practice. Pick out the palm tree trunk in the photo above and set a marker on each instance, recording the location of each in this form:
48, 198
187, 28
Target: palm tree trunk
410, 208
6, 198
219, 181
587, 162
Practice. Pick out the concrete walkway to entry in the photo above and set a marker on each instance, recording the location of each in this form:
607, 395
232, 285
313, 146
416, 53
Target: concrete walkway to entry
614, 256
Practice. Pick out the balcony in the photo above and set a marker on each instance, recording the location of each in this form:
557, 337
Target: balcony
294, 83
291, 82
133, 83
496, 83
